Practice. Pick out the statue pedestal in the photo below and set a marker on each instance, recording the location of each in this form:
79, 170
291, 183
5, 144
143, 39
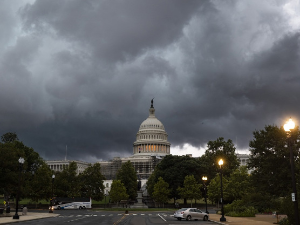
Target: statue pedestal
140, 203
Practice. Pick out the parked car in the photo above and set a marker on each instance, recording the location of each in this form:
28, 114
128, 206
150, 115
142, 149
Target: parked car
191, 214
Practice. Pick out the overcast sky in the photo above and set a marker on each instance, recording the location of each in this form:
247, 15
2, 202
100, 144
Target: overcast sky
82, 74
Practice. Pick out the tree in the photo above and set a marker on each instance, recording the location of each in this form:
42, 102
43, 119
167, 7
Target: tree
238, 184
216, 150
9, 137
151, 183
67, 183
126, 174
214, 189
269, 160
38, 188
11, 150
118, 192
9, 169
92, 182
174, 169
161, 191
191, 189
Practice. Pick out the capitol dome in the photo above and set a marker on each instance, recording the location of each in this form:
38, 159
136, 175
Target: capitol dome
152, 122
151, 139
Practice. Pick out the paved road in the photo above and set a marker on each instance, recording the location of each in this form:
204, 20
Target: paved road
76, 217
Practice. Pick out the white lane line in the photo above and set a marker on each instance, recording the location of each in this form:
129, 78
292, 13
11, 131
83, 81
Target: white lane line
162, 217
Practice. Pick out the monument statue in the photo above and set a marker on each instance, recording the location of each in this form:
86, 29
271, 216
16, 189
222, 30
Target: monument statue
139, 184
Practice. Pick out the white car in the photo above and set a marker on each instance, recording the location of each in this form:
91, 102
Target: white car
191, 214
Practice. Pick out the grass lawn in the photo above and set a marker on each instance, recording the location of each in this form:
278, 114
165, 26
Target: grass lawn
181, 201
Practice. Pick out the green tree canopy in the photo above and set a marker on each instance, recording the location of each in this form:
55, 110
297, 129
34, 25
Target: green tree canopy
66, 182
9, 137
270, 160
127, 175
173, 169
219, 149
214, 189
191, 188
38, 188
118, 191
11, 149
238, 184
91, 181
161, 191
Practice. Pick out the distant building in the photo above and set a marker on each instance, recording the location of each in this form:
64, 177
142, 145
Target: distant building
243, 158
59, 165
150, 147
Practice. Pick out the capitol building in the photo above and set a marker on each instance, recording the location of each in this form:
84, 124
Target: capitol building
150, 147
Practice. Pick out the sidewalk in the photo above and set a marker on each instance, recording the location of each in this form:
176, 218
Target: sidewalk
257, 220
5, 219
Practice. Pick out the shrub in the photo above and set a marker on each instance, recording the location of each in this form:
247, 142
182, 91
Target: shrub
262, 202
239, 209
243, 212
284, 221
287, 208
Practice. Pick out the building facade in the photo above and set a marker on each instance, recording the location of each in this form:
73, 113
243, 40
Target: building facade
243, 158
59, 165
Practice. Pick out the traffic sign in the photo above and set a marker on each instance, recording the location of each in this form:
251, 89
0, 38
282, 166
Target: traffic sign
293, 197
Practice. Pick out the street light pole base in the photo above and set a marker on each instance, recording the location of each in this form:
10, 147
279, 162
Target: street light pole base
16, 216
222, 219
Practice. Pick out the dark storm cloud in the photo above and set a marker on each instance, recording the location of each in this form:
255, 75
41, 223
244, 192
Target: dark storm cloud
81, 74
113, 30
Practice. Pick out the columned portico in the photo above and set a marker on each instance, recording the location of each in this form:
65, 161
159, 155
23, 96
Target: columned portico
144, 148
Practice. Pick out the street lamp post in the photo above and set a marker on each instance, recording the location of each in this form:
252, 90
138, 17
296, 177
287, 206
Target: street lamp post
204, 178
21, 162
288, 127
222, 207
51, 202
105, 201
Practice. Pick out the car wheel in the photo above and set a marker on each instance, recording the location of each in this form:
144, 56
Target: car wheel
58, 207
80, 207
205, 218
179, 218
188, 217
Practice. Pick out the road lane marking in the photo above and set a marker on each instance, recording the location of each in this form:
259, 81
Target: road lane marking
162, 217
120, 219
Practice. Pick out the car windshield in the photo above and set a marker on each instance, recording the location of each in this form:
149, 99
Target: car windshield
183, 209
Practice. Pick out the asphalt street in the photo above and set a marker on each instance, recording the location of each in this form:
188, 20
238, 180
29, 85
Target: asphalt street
75, 217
